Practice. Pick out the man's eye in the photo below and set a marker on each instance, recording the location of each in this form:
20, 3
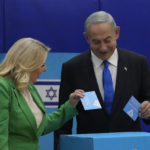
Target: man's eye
96, 42
107, 40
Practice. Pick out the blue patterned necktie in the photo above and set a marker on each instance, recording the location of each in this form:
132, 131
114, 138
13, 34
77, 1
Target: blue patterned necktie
108, 87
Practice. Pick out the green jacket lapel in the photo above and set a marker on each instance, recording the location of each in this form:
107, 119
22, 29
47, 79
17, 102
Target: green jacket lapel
26, 110
36, 97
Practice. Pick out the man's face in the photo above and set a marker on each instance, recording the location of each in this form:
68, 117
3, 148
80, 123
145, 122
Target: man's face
102, 39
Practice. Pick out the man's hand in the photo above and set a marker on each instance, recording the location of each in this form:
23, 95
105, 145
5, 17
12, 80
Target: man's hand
144, 111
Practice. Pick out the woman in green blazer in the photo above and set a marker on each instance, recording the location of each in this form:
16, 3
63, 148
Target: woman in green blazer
23, 116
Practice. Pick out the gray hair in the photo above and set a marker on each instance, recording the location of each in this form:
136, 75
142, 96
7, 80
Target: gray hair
100, 17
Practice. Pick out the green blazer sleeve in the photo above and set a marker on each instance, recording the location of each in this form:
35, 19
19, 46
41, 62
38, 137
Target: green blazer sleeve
56, 119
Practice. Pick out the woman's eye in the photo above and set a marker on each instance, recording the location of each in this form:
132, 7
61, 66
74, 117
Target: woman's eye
43, 65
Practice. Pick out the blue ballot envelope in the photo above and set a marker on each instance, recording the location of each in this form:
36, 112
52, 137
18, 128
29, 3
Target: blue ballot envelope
90, 101
106, 141
132, 108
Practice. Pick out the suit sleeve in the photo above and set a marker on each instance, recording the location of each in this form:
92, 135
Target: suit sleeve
64, 91
4, 115
145, 88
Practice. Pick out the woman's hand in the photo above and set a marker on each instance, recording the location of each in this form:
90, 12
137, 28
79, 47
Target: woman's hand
75, 97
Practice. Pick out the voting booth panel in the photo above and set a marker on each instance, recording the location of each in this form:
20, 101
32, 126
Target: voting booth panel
106, 141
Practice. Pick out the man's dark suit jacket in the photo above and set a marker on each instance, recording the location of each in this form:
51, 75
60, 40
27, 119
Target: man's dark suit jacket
133, 79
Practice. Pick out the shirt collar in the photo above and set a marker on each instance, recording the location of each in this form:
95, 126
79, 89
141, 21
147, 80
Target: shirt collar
112, 60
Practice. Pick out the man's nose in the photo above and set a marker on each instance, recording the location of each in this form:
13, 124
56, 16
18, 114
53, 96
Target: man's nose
103, 46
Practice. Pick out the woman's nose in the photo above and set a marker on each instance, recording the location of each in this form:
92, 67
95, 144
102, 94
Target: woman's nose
44, 69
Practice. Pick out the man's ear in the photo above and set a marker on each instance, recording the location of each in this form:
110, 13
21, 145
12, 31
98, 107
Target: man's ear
86, 36
117, 32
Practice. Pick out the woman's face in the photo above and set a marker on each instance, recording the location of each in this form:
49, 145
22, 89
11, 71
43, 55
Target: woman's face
35, 74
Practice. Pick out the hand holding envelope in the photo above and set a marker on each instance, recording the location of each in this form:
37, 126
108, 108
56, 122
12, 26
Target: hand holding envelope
134, 109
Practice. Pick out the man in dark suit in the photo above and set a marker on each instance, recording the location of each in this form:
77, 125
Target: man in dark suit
130, 76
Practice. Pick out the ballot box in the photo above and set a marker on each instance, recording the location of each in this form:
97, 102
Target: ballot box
106, 141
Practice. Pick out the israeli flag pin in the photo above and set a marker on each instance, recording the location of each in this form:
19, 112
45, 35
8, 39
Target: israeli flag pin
125, 68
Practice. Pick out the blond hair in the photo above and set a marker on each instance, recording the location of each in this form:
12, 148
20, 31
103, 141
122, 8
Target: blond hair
24, 56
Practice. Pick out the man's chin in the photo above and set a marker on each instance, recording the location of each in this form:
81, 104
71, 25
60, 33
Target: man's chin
104, 56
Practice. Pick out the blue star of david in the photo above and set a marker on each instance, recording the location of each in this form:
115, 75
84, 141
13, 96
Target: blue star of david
51, 93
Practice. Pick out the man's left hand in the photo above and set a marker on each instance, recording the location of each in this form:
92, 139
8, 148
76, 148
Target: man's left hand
144, 111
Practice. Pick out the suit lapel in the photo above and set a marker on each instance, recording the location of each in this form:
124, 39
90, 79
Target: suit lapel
121, 81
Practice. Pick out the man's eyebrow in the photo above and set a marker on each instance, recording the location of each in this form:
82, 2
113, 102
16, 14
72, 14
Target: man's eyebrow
107, 37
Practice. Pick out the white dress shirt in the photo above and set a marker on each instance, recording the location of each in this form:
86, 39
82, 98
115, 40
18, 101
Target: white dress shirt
99, 66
